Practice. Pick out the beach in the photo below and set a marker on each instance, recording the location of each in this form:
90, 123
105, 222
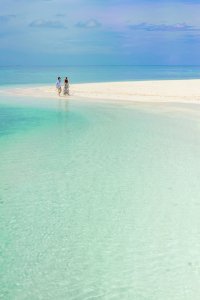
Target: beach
179, 91
99, 183
100, 190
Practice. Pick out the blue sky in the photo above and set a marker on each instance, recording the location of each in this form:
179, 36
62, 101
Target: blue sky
63, 32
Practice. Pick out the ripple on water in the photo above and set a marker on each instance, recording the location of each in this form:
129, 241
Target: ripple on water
102, 205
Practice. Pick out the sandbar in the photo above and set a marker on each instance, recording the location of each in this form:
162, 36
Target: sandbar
184, 91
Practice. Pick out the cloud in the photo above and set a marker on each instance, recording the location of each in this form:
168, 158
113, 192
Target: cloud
6, 18
92, 23
163, 27
46, 24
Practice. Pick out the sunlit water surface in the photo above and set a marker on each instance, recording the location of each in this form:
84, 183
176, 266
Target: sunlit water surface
98, 202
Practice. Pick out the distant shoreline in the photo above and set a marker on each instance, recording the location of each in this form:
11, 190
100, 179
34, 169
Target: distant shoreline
183, 91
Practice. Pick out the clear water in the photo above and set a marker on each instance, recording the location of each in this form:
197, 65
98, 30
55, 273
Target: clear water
98, 202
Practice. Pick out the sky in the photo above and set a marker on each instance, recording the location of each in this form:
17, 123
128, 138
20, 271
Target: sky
100, 32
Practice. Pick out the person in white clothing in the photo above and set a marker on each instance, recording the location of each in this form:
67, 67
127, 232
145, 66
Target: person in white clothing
58, 86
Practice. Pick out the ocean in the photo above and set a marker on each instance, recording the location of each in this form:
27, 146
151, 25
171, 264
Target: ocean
98, 201
81, 74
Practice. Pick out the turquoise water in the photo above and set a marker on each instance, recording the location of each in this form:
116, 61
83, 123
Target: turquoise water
47, 75
98, 202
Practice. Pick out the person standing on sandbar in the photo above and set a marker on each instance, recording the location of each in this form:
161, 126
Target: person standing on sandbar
66, 87
58, 86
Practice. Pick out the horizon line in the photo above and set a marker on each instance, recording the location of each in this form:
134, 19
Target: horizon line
105, 65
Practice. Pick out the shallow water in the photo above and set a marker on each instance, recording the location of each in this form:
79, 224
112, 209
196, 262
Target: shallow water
99, 202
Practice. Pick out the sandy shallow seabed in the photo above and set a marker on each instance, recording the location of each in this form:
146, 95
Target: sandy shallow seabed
100, 201
183, 91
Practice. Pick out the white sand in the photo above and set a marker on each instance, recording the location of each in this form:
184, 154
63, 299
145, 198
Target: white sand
183, 91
